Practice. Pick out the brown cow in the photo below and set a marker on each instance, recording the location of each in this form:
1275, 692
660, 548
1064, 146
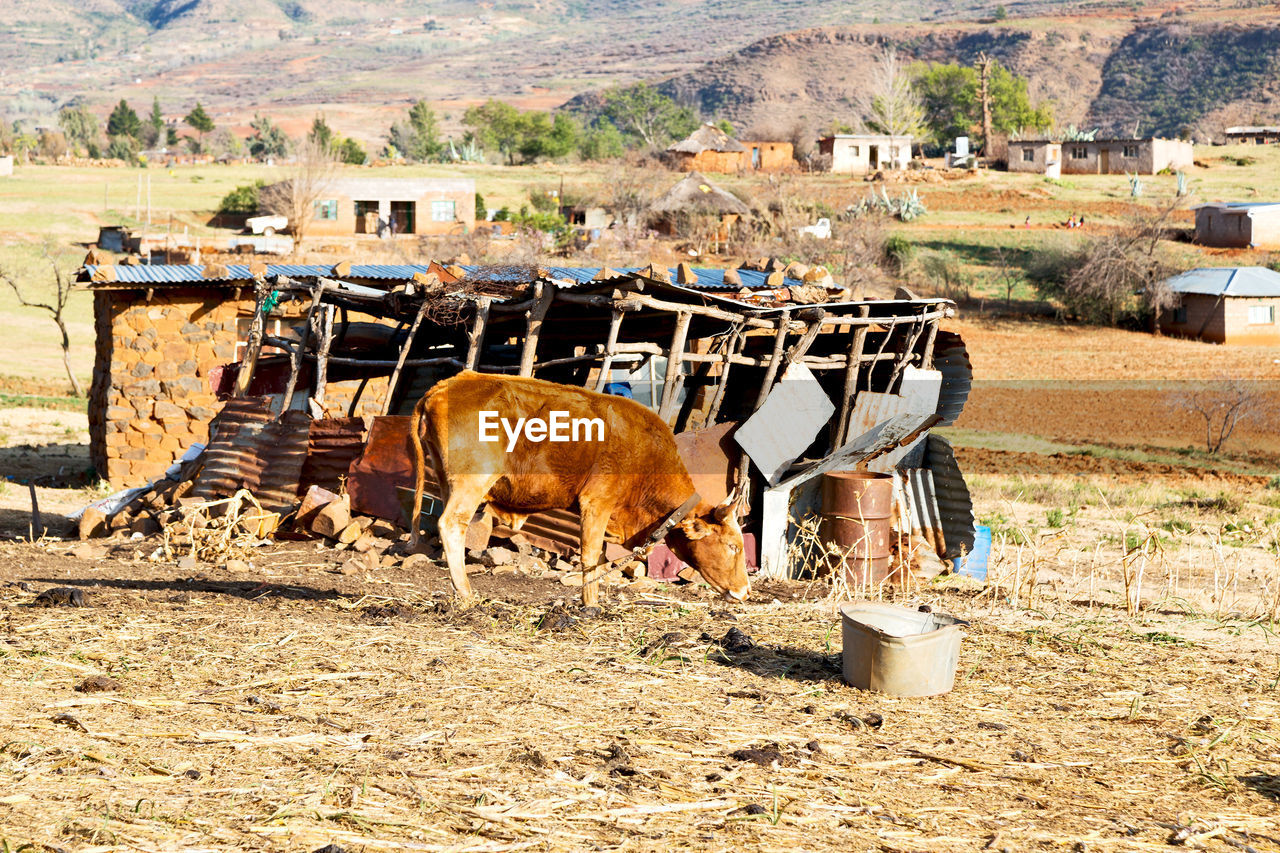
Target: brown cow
622, 471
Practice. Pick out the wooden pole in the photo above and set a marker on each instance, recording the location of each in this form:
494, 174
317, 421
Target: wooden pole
852, 366
37, 529
533, 328
254, 344
736, 341
615, 325
404, 353
295, 357
672, 380
771, 372
322, 357
475, 337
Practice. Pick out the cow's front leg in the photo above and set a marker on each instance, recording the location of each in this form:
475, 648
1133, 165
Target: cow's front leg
594, 521
465, 496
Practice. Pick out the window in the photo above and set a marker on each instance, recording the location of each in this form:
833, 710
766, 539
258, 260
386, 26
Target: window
326, 209
443, 211
854, 150
1261, 315
1079, 153
1180, 316
1131, 151
1028, 155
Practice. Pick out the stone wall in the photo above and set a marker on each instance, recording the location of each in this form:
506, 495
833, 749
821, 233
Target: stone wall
151, 397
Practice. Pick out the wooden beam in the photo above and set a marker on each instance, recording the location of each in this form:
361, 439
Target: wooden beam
404, 354
295, 357
322, 356
253, 344
673, 379
853, 363
475, 336
610, 349
533, 328
735, 343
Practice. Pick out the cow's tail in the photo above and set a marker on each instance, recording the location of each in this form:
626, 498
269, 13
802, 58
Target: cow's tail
419, 470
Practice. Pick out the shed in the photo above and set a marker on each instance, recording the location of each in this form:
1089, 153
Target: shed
1239, 225
1226, 305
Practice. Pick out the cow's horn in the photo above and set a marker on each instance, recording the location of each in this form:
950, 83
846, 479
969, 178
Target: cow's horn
729, 507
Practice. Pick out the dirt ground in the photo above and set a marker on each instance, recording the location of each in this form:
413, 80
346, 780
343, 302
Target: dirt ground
285, 707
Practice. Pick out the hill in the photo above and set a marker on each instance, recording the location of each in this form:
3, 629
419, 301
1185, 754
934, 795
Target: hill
1168, 75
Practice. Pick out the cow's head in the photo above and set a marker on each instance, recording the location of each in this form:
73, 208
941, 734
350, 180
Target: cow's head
712, 543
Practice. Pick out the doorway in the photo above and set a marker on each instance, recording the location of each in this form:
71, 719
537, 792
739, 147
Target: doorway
366, 217
1104, 161
873, 156
402, 216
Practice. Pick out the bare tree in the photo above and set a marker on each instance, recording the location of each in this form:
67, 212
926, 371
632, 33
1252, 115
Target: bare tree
890, 105
295, 197
1223, 406
1126, 262
984, 98
56, 308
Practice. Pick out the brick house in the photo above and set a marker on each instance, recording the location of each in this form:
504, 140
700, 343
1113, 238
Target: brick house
430, 206
710, 149
1226, 305
1101, 156
1238, 225
1252, 134
164, 338
860, 153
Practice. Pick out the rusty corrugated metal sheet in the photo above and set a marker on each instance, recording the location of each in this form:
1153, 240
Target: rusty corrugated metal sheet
951, 357
951, 494
332, 445
251, 450
873, 407
922, 503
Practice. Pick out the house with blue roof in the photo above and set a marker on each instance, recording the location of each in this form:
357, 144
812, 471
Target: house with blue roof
1226, 305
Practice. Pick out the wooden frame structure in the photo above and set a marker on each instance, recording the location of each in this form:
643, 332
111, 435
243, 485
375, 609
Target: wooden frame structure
714, 359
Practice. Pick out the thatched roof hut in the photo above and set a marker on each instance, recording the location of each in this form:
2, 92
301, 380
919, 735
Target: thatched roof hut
695, 194
706, 138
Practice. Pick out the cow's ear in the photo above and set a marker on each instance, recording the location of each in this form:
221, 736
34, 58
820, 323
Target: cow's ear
694, 528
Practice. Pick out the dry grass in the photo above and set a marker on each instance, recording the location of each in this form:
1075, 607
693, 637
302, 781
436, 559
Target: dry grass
286, 716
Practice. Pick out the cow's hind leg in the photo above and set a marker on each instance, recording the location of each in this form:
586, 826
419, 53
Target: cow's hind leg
595, 519
466, 493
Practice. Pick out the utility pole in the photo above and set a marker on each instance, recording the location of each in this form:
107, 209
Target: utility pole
984, 76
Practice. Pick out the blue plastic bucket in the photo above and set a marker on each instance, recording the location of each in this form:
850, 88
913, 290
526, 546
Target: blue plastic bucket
974, 564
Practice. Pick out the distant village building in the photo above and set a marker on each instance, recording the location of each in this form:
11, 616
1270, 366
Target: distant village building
1042, 156
6, 166
1101, 156
403, 205
692, 198
1238, 225
710, 149
1226, 305
860, 153
1253, 134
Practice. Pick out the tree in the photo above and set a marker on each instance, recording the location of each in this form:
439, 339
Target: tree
242, 199
647, 116
79, 126
1223, 406
351, 152
55, 307
496, 125
602, 142
891, 105
199, 121
268, 139
952, 98
154, 130
418, 136
321, 133
123, 121
545, 137
295, 198
52, 144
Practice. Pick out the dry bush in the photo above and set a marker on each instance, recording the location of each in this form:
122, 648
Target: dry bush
1222, 406
295, 196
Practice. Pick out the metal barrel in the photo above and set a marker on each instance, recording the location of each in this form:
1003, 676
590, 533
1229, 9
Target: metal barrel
857, 511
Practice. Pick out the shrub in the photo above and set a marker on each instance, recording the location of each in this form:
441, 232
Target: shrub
242, 199
899, 250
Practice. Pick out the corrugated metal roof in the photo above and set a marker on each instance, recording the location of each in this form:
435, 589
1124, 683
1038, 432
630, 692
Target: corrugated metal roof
1227, 281
951, 357
708, 279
